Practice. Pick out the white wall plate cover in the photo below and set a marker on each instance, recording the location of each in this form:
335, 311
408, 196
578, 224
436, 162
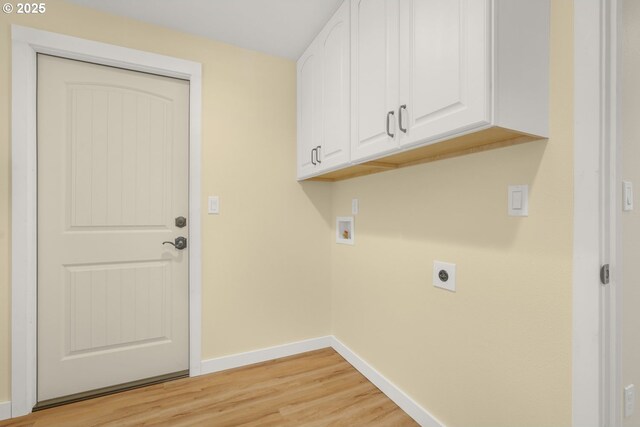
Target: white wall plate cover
444, 275
627, 196
214, 205
518, 200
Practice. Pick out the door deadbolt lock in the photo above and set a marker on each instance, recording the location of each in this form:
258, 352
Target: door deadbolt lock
179, 243
181, 222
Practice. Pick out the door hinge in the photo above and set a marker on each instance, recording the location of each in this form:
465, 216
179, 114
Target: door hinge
604, 274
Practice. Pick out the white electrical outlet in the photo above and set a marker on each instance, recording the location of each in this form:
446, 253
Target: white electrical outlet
444, 275
629, 400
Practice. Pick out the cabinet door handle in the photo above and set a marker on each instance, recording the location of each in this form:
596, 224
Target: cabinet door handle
402, 107
318, 153
389, 114
312, 160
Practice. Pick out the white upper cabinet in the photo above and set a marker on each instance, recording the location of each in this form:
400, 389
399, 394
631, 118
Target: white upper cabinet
445, 65
428, 79
323, 99
439, 69
420, 68
374, 77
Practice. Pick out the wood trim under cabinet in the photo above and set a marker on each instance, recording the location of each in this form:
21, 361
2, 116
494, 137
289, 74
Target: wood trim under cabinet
487, 139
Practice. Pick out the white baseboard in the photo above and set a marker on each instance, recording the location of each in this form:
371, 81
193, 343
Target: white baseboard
408, 405
5, 410
242, 359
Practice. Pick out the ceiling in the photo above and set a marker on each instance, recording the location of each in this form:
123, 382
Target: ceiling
277, 27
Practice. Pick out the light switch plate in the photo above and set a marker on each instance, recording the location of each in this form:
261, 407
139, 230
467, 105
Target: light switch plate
444, 275
354, 206
629, 400
214, 205
627, 196
518, 200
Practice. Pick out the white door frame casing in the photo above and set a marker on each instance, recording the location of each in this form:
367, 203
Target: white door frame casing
613, 393
596, 309
26, 44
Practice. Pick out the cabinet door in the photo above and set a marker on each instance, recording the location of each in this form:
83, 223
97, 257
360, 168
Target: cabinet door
309, 106
333, 45
374, 77
445, 51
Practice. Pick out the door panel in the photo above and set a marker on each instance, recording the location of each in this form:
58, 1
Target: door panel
119, 162
116, 305
374, 61
444, 77
436, 53
112, 176
309, 106
335, 90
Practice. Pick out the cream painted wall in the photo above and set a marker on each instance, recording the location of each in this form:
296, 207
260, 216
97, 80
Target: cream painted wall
265, 280
630, 58
498, 351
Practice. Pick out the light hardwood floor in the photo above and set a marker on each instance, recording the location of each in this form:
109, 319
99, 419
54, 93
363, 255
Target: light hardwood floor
318, 388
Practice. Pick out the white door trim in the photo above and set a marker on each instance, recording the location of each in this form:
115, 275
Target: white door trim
26, 43
595, 124
612, 233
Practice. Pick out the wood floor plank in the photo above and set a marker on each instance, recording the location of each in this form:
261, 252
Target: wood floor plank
317, 388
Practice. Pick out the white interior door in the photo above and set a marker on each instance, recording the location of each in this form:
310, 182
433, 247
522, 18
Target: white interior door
112, 178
